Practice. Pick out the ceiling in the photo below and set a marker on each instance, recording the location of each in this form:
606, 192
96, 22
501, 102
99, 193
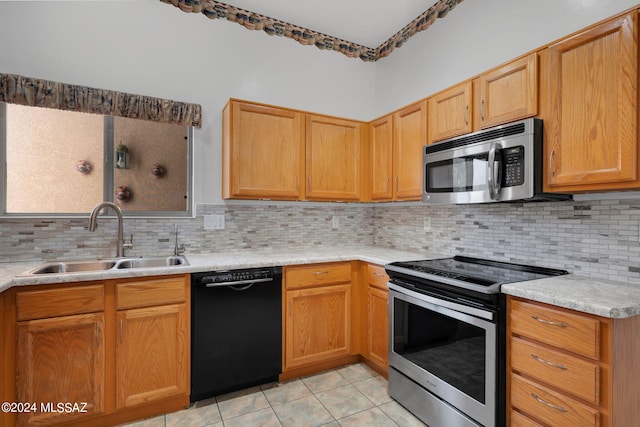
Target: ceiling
366, 22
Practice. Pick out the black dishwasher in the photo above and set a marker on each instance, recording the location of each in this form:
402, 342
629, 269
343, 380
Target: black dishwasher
236, 330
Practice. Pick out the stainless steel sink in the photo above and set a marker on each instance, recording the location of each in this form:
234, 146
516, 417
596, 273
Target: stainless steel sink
72, 267
169, 261
64, 267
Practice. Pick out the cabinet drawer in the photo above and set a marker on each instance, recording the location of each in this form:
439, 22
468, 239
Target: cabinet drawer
576, 376
376, 276
519, 420
561, 328
59, 302
317, 275
145, 293
553, 408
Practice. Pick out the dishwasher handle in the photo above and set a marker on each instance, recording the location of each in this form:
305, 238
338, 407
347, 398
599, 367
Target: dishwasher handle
207, 282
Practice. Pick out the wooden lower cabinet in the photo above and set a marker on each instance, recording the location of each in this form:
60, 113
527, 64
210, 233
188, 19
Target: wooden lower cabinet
61, 360
567, 368
317, 314
377, 325
73, 346
318, 325
334, 314
152, 355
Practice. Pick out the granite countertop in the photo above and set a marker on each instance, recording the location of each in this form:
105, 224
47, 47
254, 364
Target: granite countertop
14, 274
595, 296
601, 297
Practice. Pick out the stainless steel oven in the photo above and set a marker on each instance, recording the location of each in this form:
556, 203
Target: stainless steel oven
447, 338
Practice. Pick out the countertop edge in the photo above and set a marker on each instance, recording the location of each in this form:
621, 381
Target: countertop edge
14, 274
605, 298
600, 297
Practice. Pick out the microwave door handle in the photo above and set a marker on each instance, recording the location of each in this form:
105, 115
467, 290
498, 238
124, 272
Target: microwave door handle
494, 172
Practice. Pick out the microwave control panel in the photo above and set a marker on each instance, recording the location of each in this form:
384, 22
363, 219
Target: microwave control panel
513, 166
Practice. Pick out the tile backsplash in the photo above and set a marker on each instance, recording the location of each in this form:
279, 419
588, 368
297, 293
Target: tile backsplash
600, 239
256, 226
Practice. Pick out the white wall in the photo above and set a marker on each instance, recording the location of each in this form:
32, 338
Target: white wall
475, 36
151, 48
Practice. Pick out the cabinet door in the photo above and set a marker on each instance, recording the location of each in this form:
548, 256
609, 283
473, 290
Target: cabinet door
382, 158
591, 138
377, 326
317, 325
449, 112
333, 158
152, 354
410, 132
61, 360
263, 152
509, 93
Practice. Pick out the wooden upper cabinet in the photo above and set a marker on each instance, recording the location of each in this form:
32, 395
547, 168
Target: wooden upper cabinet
591, 115
409, 136
396, 154
263, 152
382, 158
333, 158
508, 93
450, 112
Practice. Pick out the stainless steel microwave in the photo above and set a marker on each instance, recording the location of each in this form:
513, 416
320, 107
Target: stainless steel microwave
499, 164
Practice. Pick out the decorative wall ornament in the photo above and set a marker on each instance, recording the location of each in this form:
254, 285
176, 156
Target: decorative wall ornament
123, 194
158, 170
253, 21
34, 92
122, 157
84, 167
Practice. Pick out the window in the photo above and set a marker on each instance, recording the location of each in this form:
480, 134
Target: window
62, 163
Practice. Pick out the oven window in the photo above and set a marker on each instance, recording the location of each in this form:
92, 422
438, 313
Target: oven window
450, 349
460, 174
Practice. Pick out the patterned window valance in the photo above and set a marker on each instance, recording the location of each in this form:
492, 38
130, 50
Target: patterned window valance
33, 92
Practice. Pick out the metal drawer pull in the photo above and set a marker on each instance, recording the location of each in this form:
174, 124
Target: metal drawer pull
546, 362
378, 274
547, 322
551, 405
320, 272
120, 331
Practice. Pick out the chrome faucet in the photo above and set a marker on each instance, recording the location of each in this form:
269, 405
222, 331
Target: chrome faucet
93, 223
178, 248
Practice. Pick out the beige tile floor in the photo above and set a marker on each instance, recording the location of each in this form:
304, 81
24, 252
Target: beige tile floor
351, 396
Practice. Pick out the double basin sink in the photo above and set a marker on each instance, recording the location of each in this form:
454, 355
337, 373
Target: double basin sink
62, 267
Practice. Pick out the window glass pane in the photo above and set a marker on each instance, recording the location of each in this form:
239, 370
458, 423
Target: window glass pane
157, 173
43, 148
44, 151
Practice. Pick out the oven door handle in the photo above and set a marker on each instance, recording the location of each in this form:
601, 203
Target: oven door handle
493, 164
433, 303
